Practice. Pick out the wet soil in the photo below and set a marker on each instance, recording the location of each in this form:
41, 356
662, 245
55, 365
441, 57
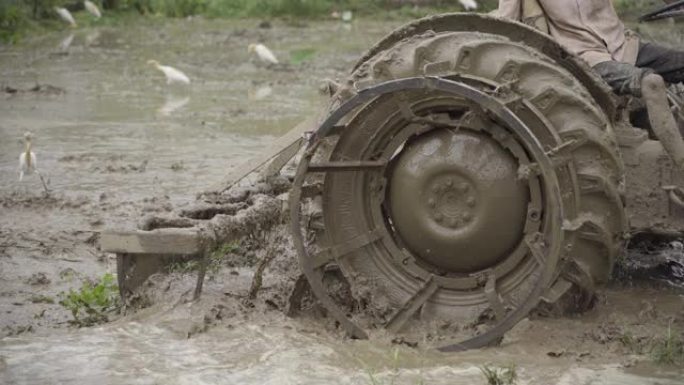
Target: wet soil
117, 144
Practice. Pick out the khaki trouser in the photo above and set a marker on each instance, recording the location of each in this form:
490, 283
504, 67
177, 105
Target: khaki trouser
533, 15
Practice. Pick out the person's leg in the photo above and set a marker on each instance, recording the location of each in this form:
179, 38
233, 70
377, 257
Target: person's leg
663, 123
666, 62
645, 83
623, 78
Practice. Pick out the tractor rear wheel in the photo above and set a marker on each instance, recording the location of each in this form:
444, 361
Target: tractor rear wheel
470, 177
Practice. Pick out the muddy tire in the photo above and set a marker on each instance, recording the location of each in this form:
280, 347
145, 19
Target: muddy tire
446, 209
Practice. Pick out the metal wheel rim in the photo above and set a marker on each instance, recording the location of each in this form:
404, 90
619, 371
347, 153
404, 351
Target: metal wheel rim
504, 113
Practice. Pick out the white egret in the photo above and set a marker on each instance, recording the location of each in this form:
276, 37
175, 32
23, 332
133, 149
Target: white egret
468, 5
347, 16
27, 159
92, 8
263, 53
28, 164
172, 75
66, 16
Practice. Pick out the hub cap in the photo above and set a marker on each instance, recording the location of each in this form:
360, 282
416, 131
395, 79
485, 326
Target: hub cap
456, 201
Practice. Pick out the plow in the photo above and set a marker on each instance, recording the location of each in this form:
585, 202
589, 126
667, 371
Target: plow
468, 170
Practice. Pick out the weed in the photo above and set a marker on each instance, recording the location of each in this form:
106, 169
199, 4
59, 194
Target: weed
391, 378
216, 259
91, 304
668, 350
506, 375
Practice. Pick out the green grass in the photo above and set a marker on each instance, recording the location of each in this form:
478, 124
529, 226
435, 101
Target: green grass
669, 349
93, 302
216, 259
495, 375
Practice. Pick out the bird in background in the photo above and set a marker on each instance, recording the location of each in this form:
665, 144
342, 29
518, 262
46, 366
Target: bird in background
92, 9
27, 159
468, 5
263, 53
66, 16
28, 164
172, 75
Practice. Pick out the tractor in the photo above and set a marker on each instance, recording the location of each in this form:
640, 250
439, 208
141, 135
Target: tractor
470, 169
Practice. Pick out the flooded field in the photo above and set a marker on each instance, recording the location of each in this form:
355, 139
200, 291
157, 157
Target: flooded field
116, 143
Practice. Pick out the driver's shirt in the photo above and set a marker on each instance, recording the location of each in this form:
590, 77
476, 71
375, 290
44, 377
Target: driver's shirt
590, 29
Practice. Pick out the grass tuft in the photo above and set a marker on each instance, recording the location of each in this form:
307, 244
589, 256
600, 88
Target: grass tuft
216, 259
668, 350
495, 375
91, 304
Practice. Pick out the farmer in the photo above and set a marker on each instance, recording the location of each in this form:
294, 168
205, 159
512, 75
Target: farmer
592, 30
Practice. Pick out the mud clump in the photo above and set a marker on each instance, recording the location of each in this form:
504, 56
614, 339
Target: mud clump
38, 89
37, 279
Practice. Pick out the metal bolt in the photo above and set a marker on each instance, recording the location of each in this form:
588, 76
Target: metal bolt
463, 187
431, 202
449, 182
435, 188
438, 217
467, 217
470, 201
453, 223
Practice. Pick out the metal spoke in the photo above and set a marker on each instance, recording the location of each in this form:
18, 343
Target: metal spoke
493, 297
534, 243
354, 165
398, 320
341, 250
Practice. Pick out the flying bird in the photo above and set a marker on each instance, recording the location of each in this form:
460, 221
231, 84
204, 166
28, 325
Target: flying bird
468, 5
172, 75
263, 53
92, 8
66, 16
27, 159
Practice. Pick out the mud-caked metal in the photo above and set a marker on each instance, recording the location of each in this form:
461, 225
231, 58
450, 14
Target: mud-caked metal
467, 169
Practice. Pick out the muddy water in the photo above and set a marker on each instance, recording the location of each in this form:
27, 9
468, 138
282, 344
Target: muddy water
117, 116
118, 140
278, 350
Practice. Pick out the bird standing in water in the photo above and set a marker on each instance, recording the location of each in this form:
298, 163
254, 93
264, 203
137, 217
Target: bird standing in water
28, 164
66, 16
92, 8
27, 159
172, 75
263, 53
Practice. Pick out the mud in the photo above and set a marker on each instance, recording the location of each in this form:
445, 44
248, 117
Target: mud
111, 151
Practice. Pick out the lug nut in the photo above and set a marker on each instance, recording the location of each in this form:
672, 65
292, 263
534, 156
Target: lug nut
470, 201
463, 187
431, 202
453, 223
438, 217
467, 217
449, 182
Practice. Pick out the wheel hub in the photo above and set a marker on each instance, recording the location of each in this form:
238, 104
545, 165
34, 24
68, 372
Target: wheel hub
456, 202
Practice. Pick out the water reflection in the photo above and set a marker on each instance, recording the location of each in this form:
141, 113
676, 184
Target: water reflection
172, 104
